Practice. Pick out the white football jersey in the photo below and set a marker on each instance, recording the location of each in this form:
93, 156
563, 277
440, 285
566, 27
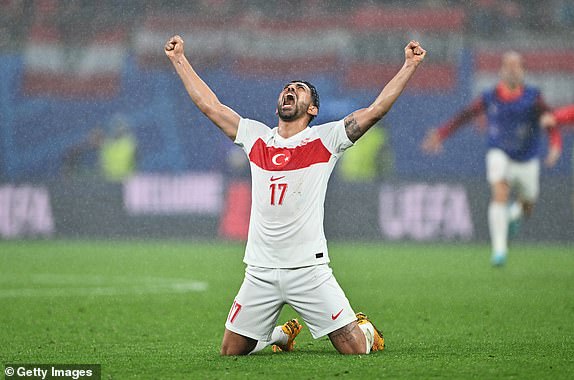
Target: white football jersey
289, 182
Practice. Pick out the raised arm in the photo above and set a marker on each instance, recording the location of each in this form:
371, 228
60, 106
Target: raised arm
432, 142
224, 117
359, 122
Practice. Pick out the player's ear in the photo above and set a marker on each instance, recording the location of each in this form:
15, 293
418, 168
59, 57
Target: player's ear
312, 110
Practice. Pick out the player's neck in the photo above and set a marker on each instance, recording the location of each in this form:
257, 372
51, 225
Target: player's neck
288, 129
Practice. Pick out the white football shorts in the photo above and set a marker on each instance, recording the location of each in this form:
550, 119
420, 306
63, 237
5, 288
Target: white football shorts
311, 291
524, 176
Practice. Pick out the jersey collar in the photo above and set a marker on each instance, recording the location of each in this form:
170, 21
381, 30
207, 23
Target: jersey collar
507, 94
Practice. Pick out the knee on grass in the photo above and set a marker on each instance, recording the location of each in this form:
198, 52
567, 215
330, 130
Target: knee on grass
350, 340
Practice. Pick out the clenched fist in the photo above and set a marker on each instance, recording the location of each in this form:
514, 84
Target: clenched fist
174, 47
414, 52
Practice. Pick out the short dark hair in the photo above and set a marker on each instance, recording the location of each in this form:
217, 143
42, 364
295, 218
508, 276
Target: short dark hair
314, 93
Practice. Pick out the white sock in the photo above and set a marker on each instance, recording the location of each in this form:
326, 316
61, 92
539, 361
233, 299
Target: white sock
515, 211
277, 337
498, 225
369, 331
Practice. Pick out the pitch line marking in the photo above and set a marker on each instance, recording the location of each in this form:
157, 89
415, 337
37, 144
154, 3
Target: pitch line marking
56, 285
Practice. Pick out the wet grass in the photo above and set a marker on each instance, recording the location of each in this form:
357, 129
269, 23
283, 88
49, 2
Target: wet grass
157, 310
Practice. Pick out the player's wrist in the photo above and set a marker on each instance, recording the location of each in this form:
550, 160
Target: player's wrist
178, 60
411, 64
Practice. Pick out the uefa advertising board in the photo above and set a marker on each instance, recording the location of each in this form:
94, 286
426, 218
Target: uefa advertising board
209, 206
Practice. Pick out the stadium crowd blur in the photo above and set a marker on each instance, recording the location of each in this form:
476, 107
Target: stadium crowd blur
36, 31
75, 18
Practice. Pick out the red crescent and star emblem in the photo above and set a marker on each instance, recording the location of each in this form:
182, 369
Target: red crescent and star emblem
282, 158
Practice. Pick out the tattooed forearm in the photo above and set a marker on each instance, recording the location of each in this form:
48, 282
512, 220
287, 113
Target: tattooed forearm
352, 128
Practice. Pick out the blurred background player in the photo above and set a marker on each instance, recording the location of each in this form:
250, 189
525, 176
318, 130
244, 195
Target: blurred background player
286, 254
118, 152
513, 111
80, 160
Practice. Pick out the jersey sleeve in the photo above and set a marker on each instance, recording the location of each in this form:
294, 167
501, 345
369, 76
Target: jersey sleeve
554, 135
334, 136
564, 115
541, 105
555, 138
248, 132
468, 113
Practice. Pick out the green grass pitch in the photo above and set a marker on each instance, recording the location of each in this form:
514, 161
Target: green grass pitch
156, 310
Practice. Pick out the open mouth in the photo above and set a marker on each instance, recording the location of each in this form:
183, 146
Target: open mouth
289, 100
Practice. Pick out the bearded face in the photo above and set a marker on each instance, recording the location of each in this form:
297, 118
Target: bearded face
293, 101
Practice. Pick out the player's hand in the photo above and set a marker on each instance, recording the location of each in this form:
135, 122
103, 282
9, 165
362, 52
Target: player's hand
552, 157
547, 120
432, 142
174, 47
414, 53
